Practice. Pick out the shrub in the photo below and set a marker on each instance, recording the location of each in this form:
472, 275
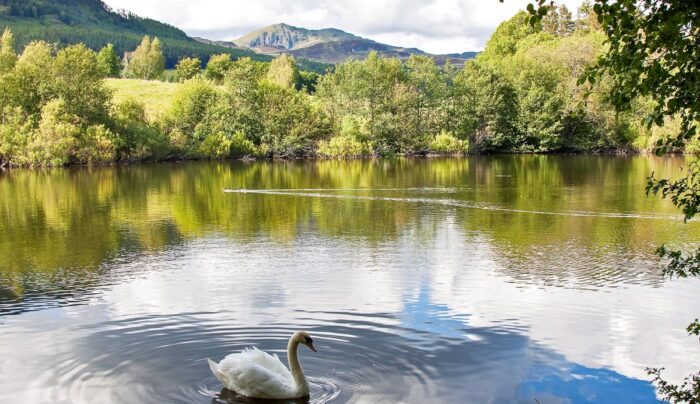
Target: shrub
217, 67
96, 145
108, 61
139, 138
447, 143
53, 143
15, 130
187, 68
342, 147
191, 104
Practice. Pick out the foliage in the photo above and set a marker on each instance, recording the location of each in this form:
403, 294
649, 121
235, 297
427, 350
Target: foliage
283, 71
191, 104
146, 62
108, 61
54, 142
308, 81
187, 68
342, 146
8, 57
218, 67
15, 131
78, 82
488, 106
447, 143
139, 139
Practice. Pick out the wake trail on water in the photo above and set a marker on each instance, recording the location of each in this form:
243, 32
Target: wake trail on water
441, 202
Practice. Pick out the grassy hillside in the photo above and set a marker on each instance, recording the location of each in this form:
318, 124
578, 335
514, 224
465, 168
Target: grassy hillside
95, 24
156, 95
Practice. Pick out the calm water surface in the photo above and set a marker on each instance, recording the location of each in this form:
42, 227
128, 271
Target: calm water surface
491, 279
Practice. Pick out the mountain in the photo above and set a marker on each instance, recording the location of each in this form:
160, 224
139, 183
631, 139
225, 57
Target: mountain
95, 24
328, 45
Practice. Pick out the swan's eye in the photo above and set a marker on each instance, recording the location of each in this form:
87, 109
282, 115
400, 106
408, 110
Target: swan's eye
309, 340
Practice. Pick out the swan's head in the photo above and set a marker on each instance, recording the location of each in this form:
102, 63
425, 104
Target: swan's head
303, 337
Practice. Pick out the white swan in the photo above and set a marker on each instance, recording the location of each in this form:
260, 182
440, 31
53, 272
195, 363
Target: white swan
257, 374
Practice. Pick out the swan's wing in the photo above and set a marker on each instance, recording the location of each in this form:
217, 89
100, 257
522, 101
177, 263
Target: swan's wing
269, 362
254, 373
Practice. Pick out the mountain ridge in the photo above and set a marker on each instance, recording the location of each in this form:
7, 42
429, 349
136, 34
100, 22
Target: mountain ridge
328, 45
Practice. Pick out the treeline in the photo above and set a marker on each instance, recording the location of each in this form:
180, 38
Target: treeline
94, 24
520, 95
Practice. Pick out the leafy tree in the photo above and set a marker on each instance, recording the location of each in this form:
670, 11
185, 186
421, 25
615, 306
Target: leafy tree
29, 86
147, 61
55, 141
488, 107
558, 21
193, 102
217, 67
78, 82
284, 72
156, 59
423, 77
8, 57
187, 68
108, 61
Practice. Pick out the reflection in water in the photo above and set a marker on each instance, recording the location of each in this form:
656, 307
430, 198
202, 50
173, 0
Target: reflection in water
423, 280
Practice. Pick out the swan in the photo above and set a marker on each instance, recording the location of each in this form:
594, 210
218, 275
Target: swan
257, 374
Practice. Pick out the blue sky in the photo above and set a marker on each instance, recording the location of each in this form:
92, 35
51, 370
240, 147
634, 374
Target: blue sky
437, 26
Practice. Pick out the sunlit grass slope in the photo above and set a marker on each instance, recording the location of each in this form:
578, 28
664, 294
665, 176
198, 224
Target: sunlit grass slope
156, 95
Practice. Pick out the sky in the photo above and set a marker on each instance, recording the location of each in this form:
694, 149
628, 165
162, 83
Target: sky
435, 26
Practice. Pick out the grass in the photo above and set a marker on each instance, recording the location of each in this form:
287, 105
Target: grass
156, 95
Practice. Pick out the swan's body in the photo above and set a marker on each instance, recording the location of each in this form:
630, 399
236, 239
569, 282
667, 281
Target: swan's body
254, 373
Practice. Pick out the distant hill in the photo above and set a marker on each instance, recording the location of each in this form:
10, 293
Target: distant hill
95, 24
327, 45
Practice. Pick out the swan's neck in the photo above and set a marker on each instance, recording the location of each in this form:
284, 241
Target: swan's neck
295, 367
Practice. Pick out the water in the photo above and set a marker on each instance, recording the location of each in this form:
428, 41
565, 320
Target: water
486, 279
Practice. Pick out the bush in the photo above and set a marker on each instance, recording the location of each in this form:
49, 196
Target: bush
108, 61
187, 68
191, 104
139, 139
218, 67
53, 143
343, 147
220, 145
15, 130
96, 145
447, 143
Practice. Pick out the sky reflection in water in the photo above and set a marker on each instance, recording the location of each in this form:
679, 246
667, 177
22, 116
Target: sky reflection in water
118, 282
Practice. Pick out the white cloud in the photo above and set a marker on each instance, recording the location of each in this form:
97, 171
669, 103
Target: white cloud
437, 26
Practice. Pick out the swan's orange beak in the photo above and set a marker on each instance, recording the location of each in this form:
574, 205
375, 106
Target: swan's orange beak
311, 346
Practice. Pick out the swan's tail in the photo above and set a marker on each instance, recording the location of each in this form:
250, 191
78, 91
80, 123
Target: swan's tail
218, 373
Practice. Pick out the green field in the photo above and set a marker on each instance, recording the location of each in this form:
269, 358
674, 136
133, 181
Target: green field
156, 95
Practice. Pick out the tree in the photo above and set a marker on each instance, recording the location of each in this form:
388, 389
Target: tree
78, 82
284, 72
156, 59
217, 67
8, 57
108, 61
187, 68
147, 61
487, 105
29, 86
423, 76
